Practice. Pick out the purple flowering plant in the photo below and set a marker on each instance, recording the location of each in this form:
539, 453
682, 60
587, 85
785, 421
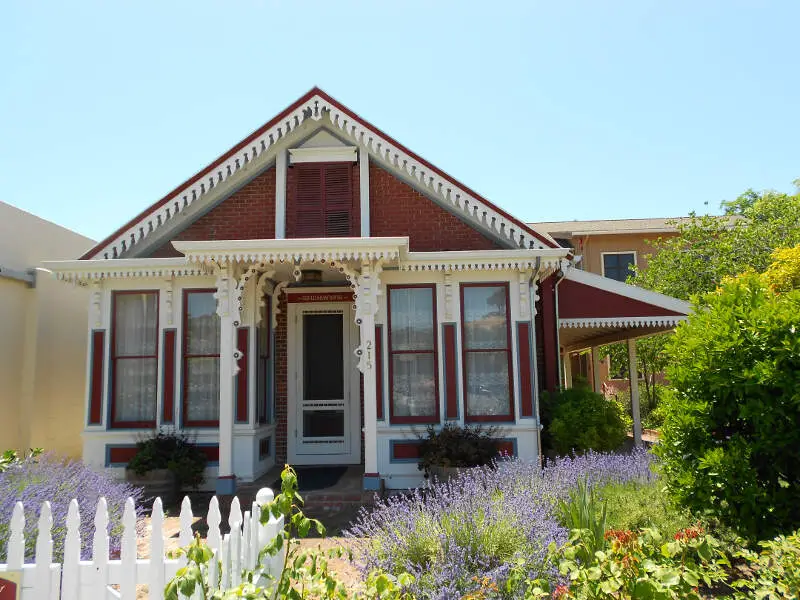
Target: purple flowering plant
488, 521
34, 480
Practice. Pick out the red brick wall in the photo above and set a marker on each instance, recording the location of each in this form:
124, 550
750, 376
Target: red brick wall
246, 215
397, 209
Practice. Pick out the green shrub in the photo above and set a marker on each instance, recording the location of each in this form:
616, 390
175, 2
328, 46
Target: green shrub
730, 445
637, 505
173, 451
581, 420
456, 446
775, 571
583, 510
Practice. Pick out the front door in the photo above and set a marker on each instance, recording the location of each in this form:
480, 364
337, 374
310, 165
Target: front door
323, 410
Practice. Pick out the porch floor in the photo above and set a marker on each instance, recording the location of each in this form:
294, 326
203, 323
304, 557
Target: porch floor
348, 490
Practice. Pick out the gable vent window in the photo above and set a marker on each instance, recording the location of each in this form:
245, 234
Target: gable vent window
322, 202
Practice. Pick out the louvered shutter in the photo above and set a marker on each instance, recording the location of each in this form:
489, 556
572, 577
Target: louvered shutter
338, 199
309, 202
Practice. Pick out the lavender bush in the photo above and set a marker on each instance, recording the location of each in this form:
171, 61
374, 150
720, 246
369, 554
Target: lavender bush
485, 522
49, 477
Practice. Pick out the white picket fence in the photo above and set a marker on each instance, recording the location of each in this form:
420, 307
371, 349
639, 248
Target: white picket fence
77, 579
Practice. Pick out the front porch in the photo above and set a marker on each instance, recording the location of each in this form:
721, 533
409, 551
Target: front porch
308, 371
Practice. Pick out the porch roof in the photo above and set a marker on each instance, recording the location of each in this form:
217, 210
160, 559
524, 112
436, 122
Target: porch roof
200, 257
595, 310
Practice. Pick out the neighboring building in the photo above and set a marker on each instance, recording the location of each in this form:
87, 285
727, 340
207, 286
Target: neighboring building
319, 294
610, 248
42, 337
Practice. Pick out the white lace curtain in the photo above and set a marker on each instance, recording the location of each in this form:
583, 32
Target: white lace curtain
202, 358
135, 357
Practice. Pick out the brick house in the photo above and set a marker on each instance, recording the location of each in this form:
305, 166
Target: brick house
319, 294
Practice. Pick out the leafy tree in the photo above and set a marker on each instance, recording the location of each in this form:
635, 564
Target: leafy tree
708, 248
730, 442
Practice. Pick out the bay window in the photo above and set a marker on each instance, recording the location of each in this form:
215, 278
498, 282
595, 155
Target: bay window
134, 358
486, 335
200, 359
413, 378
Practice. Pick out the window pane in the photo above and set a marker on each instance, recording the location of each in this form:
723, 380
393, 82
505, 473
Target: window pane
135, 324
202, 389
413, 385
411, 318
202, 323
487, 383
135, 384
323, 423
485, 317
323, 362
618, 266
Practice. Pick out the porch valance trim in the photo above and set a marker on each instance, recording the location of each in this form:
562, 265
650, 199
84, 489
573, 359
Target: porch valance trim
591, 323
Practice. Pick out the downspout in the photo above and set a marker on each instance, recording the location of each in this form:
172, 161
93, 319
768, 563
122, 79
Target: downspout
559, 277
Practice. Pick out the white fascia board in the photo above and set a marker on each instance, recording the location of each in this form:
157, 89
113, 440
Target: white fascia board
331, 154
630, 291
121, 268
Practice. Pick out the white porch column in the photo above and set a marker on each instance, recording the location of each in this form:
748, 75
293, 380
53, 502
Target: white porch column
367, 291
634, 379
280, 195
228, 356
596, 385
567, 361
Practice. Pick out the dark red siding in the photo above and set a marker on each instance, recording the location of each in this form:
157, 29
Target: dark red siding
96, 389
168, 389
450, 377
242, 340
579, 301
525, 374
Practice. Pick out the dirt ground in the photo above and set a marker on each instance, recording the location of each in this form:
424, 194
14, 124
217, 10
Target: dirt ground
335, 519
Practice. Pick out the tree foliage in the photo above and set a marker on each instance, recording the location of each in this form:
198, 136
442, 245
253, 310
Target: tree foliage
708, 249
730, 442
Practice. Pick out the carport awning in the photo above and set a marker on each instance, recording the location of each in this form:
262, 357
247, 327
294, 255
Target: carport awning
595, 310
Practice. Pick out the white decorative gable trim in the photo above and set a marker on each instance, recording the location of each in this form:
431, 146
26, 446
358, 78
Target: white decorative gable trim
295, 250
474, 210
615, 322
485, 260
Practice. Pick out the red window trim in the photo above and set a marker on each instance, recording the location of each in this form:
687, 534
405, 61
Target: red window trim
262, 360
488, 418
184, 356
406, 419
114, 424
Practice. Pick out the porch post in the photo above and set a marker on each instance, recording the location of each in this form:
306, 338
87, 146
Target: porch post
634, 379
567, 362
226, 309
367, 291
596, 385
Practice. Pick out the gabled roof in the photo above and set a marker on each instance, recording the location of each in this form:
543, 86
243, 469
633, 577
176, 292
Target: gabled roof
390, 154
657, 225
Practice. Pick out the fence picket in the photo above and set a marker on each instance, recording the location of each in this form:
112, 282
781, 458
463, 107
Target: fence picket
70, 580
100, 550
214, 519
76, 579
44, 552
156, 580
16, 541
127, 584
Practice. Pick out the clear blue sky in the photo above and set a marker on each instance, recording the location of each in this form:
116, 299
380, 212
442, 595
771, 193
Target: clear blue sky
553, 110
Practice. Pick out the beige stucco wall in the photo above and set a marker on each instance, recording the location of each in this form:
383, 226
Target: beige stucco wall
42, 338
592, 247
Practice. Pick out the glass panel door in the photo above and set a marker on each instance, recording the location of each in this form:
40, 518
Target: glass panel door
322, 422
